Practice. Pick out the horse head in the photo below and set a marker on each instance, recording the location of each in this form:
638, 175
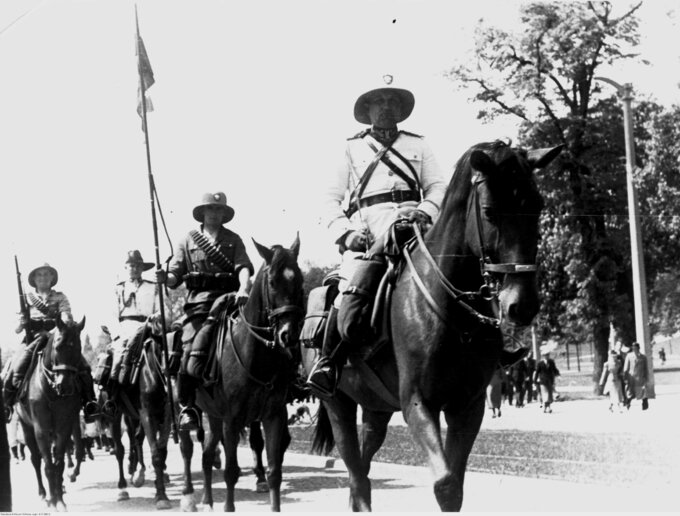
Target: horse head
65, 355
502, 225
278, 285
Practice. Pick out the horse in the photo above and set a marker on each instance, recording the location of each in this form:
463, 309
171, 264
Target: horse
474, 268
257, 361
144, 405
49, 411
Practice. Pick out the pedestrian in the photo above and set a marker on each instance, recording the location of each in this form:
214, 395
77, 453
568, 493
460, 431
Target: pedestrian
517, 377
545, 374
389, 175
635, 375
211, 261
46, 305
611, 381
529, 384
494, 392
662, 356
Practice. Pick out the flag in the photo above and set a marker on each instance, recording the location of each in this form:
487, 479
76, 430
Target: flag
145, 75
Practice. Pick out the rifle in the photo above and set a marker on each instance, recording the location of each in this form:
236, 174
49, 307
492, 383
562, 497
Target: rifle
23, 306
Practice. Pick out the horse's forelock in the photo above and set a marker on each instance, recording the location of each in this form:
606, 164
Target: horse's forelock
283, 263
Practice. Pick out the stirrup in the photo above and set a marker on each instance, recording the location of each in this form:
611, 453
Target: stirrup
188, 419
326, 371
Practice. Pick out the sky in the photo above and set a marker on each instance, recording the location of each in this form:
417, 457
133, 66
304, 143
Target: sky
252, 98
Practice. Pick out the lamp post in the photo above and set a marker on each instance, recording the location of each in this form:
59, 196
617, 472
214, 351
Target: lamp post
625, 93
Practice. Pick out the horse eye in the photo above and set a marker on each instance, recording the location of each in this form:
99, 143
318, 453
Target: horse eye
489, 213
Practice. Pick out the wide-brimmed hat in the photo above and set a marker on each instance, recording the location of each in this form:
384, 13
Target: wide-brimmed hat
406, 97
135, 256
31, 275
218, 199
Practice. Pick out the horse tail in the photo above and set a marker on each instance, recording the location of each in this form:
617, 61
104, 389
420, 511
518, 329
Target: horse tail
322, 440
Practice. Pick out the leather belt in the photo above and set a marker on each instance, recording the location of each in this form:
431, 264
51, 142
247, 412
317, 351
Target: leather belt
138, 318
397, 196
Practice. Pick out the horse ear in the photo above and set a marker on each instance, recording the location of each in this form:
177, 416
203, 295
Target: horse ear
481, 162
81, 324
266, 253
295, 248
540, 158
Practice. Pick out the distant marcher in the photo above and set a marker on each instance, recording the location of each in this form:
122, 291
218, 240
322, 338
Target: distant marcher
517, 376
545, 374
662, 356
611, 381
530, 363
494, 392
635, 375
15, 436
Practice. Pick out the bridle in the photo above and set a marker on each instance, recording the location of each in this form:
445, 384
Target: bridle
50, 374
490, 289
273, 316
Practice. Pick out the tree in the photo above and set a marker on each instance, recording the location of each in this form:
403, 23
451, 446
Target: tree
544, 75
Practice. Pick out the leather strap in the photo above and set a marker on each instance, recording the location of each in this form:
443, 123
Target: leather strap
211, 250
355, 196
412, 182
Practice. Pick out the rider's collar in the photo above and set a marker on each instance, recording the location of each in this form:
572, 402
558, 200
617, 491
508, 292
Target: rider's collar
384, 136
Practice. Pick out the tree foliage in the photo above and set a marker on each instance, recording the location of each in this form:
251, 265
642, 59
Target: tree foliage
545, 75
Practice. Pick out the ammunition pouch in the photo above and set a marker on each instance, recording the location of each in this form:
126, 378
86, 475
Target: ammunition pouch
354, 316
223, 281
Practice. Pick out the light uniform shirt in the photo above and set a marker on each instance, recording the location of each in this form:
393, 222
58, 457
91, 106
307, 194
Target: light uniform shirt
375, 220
135, 299
57, 303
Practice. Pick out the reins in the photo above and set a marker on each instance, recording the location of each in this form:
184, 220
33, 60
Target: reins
488, 291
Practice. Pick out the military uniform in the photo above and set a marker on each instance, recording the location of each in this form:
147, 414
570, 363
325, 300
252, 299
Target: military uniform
207, 277
387, 195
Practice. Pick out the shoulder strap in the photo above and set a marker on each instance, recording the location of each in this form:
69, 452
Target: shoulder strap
412, 182
211, 250
38, 303
363, 182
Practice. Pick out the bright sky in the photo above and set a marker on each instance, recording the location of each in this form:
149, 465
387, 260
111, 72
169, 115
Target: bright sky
253, 98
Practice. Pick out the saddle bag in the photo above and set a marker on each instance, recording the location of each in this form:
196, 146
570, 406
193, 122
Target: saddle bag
354, 316
314, 326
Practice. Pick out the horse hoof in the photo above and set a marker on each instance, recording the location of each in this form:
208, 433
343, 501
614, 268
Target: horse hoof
261, 486
207, 508
72, 477
61, 507
138, 479
123, 495
163, 505
187, 503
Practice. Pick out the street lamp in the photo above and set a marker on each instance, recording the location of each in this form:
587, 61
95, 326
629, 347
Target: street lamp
625, 93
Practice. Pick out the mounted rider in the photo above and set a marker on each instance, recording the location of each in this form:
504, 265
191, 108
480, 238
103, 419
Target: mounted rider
136, 303
389, 175
46, 305
211, 261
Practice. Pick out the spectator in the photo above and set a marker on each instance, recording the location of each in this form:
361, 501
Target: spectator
636, 376
494, 393
545, 374
530, 363
662, 356
517, 377
611, 381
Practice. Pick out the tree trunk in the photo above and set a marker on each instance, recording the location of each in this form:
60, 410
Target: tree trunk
600, 351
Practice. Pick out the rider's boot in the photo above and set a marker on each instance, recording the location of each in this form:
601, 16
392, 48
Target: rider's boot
188, 418
325, 374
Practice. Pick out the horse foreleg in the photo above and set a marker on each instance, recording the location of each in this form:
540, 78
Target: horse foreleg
275, 429
230, 439
342, 413
149, 423
79, 449
423, 422
460, 437
36, 457
210, 443
119, 452
256, 446
186, 447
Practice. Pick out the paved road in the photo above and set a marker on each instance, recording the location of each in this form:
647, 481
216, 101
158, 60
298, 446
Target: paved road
313, 484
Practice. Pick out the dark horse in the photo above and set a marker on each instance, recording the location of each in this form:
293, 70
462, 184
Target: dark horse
256, 366
145, 406
475, 267
49, 411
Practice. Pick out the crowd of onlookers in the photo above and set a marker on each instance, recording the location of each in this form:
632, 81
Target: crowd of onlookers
624, 380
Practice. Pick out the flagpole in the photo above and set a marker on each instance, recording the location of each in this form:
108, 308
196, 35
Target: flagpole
152, 189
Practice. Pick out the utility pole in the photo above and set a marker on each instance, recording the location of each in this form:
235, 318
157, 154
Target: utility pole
625, 93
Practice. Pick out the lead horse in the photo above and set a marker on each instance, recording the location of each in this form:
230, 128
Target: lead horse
474, 268
257, 363
49, 411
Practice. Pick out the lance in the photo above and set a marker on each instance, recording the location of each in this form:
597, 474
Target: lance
141, 54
